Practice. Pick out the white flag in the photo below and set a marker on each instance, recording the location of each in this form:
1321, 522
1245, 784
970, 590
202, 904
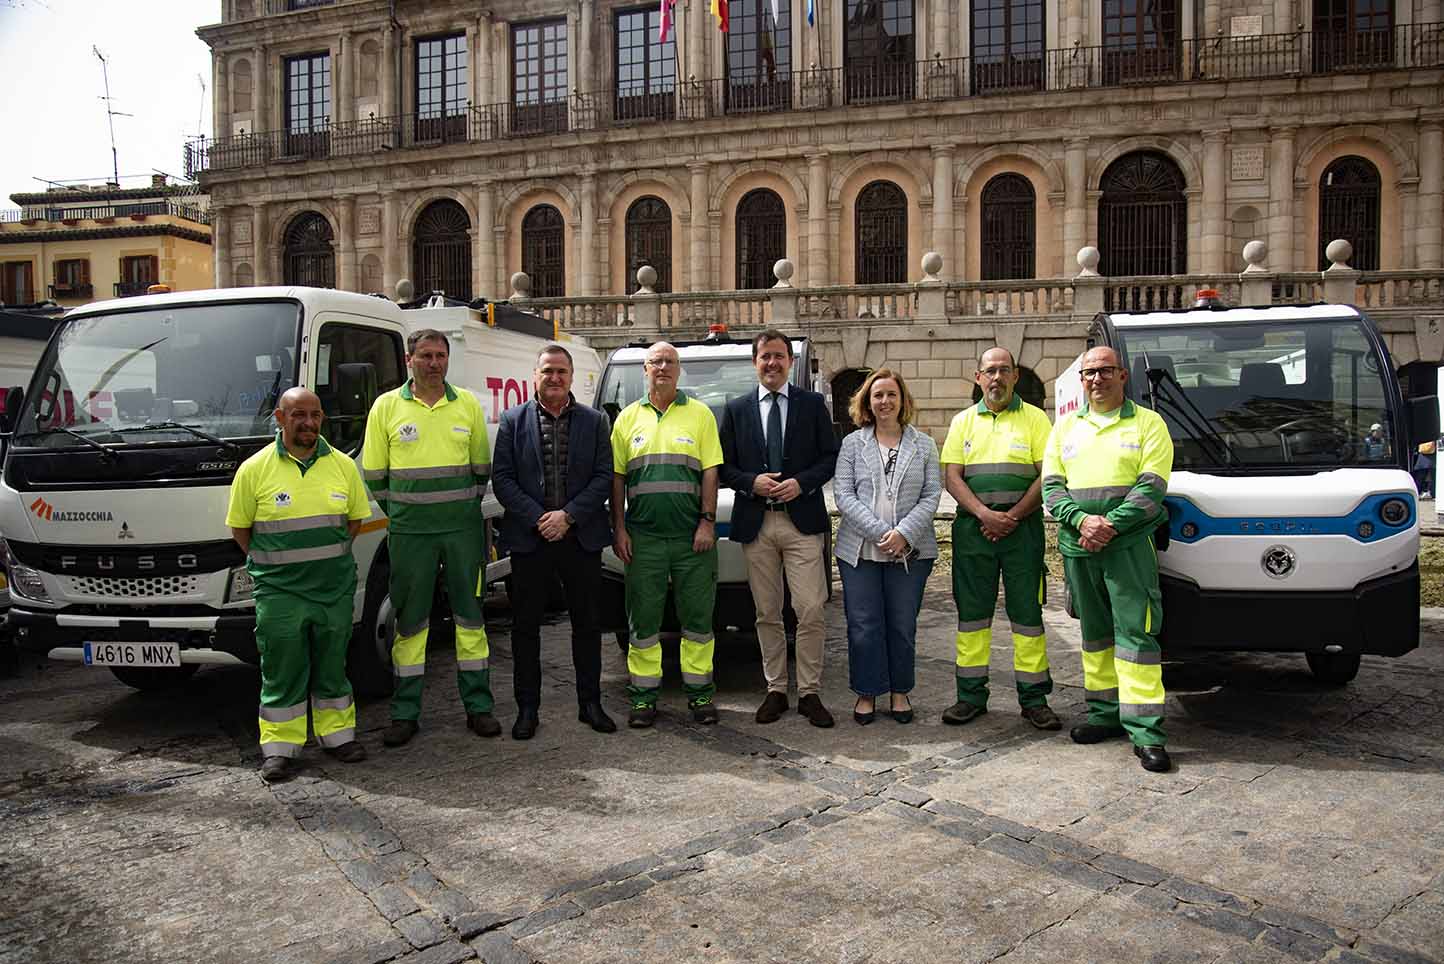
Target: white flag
776, 16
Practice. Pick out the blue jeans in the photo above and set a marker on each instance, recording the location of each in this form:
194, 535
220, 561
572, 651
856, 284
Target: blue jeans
881, 600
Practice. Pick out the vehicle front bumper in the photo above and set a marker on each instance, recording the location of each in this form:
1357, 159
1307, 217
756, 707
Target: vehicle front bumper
233, 632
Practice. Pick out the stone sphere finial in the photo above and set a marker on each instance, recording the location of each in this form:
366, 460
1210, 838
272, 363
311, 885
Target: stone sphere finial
647, 278
1255, 253
783, 270
932, 264
405, 290
1339, 252
1088, 259
520, 285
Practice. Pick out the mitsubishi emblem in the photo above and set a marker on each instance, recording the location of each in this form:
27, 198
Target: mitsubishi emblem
125, 532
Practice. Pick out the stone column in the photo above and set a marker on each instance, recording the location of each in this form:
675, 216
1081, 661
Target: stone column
388, 81
941, 17
818, 274
221, 245
587, 242
260, 92
695, 55
261, 251
346, 248
1075, 190
344, 103
220, 96
1075, 31
1284, 21
1430, 223
1281, 199
502, 282
390, 243
1215, 190
943, 206
697, 272
485, 239
586, 79
485, 71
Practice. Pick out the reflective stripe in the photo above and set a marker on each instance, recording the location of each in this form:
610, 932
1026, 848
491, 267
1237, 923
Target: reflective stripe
700, 637
470, 665
689, 461
339, 738
646, 682
1154, 479
1097, 645
1031, 631
973, 672
1143, 502
463, 623
371, 475
973, 625
1100, 493
428, 498
283, 714
697, 679
418, 670
432, 472
406, 632
1056, 496
1139, 657
646, 642
340, 703
1054, 480
1000, 468
1111, 694
1000, 498
1025, 677
380, 495
1140, 709
659, 488
481, 468
297, 524
285, 556
278, 748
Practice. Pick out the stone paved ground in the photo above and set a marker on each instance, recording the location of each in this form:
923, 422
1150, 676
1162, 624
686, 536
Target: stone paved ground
1302, 823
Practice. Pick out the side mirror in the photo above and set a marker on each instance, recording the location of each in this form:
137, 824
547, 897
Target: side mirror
14, 403
1423, 419
356, 389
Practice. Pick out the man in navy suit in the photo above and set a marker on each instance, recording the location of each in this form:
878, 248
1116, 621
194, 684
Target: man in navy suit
778, 451
552, 472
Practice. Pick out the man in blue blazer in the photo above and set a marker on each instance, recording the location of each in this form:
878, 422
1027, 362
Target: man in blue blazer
778, 451
552, 473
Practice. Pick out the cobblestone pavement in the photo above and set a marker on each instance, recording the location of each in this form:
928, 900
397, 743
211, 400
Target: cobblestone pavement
1302, 823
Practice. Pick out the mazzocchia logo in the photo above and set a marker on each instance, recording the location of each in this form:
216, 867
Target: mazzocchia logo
49, 513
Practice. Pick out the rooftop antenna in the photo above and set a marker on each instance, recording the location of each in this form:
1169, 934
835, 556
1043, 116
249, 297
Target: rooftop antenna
110, 113
201, 112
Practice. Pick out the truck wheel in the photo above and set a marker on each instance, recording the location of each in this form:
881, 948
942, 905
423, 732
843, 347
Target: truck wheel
151, 679
368, 660
1335, 669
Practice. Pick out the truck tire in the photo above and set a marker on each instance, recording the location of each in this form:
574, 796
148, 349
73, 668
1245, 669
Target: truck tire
368, 659
152, 679
1335, 669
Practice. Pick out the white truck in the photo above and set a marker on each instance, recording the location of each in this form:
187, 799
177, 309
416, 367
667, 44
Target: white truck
1293, 522
121, 453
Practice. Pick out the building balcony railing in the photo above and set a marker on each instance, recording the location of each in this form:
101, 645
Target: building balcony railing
127, 289
71, 291
106, 212
288, 6
1021, 71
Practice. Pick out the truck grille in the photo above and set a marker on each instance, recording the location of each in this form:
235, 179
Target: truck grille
154, 588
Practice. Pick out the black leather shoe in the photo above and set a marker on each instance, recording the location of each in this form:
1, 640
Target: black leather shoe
351, 752
811, 707
400, 732
1092, 733
773, 706
960, 713
1042, 717
642, 717
276, 769
483, 724
1154, 759
704, 713
526, 723
594, 716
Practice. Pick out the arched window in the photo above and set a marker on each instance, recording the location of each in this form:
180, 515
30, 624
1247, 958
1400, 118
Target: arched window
441, 253
1353, 33
1143, 217
1349, 209
543, 251
881, 234
649, 241
307, 257
761, 238
245, 277
1008, 241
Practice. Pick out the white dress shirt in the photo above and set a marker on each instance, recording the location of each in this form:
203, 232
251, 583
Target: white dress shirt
764, 404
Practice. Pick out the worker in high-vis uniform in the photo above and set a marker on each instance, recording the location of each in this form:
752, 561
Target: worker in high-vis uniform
665, 454
427, 459
1105, 474
295, 507
992, 465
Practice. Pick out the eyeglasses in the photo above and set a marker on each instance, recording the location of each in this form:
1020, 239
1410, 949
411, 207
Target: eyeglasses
1105, 372
1002, 371
891, 462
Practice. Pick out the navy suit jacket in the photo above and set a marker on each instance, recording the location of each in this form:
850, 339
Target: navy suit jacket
516, 477
809, 455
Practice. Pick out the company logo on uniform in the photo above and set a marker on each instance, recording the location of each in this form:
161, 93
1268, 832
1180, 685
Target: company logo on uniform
684, 440
639, 439
1279, 561
967, 445
283, 500
461, 429
50, 513
1070, 449
338, 496
1131, 446
408, 433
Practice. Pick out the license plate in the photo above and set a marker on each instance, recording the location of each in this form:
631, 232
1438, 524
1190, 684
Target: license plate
132, 654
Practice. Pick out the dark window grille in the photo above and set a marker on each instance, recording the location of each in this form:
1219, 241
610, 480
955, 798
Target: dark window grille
1141, 41
307, 255
539, 77
308, 106
881, 49
759, 57
1349, 209
441, 89
761, 238
544, 251
1143, 217
1009, 223
441, 251
137, 274
882, 234
1353, 33
1007, 45
646, 69
649, 241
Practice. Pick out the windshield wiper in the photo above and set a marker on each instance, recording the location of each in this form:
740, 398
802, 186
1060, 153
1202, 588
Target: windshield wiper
213, 439
1191, 418
105, 450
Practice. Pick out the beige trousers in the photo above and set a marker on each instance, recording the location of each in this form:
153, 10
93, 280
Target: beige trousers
780, 547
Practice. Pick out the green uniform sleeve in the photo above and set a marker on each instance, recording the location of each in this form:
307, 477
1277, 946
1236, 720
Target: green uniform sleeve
376, 451
1055, 480
1142, 507
620, 450
358, 503
480, 451
953, 444
710, 444
241, 512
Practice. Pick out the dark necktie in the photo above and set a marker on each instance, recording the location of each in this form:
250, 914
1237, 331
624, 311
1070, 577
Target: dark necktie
774, 434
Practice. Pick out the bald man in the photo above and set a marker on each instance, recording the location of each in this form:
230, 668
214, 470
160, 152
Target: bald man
295, 507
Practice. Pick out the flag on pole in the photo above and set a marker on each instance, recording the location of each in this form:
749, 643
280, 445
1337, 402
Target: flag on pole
667, 6
776, 13
719, 10
810, 21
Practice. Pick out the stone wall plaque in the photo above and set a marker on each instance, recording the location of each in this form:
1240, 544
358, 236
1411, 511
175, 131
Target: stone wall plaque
1250, 25
1248, 163
241, 231
368, 221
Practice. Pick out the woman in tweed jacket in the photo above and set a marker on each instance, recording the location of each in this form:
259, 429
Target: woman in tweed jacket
887, 488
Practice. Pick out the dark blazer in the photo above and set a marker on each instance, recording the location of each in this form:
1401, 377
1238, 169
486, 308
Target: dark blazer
516, 476
809, 455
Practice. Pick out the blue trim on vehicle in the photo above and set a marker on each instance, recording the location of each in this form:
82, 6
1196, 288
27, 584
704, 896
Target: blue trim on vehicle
1181, 512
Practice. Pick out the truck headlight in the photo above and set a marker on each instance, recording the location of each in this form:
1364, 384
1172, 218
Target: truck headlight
1394, 512
25, 582
240, 587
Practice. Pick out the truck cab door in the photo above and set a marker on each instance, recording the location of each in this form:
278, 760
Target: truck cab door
352, 361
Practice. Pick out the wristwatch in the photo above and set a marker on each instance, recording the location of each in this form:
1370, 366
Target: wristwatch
571, 519
710, 516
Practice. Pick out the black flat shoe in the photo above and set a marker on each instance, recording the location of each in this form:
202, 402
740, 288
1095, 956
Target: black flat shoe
863, 719
903, 716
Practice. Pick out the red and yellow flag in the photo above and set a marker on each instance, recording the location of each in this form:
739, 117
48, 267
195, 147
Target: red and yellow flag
719, 10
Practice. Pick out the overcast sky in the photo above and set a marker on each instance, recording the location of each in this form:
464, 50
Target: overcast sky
52, 115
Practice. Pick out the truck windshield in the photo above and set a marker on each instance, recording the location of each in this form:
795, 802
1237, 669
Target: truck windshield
164, 374
1297, 394
710, 380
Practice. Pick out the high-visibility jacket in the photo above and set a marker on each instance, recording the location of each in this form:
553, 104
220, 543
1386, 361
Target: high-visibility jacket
999, 452
1116, 467
297, 513
428, 467
663, 455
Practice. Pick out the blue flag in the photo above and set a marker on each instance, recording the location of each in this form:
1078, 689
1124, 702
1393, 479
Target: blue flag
809, 13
